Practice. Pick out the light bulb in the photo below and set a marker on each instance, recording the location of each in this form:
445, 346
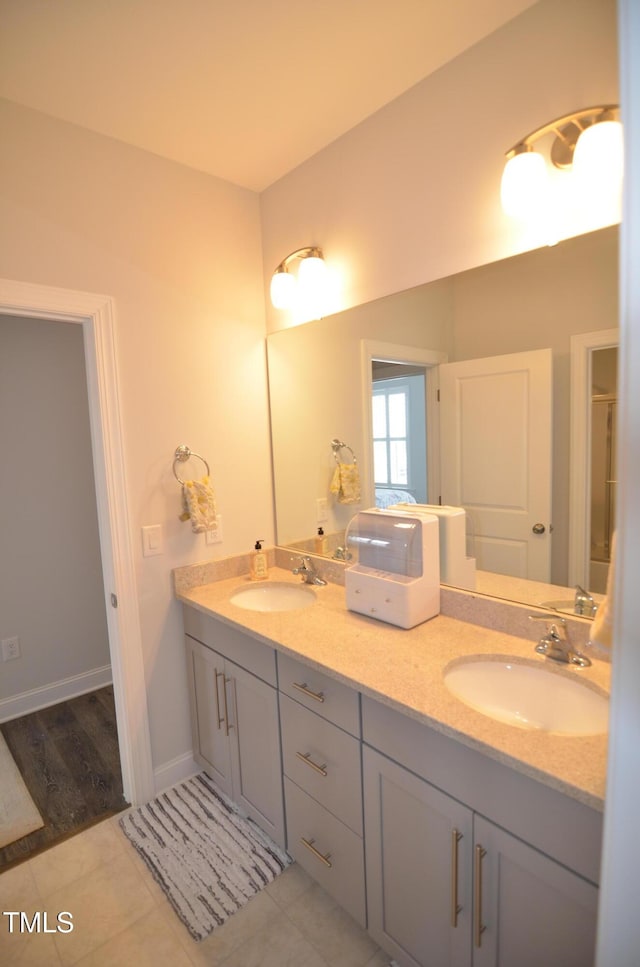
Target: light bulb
283, 286
312, 271
312, 285
524, 184
598, 158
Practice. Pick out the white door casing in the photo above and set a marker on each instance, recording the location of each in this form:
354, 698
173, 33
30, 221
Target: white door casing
96, 315
582, 349
390, 352
495, 450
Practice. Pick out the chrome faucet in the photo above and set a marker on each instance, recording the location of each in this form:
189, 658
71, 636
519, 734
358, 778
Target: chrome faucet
342, 554
308, 572
555, 643
584, 603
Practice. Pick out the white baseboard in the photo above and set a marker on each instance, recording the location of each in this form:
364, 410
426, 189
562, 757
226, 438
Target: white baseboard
61, 691
176, 770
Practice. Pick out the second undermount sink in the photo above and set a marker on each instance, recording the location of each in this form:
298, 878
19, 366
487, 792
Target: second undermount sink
529, 696
274, 596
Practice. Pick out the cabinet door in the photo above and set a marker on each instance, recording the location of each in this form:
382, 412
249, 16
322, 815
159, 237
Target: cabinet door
252, 710
210, 739
533, 910
419, 848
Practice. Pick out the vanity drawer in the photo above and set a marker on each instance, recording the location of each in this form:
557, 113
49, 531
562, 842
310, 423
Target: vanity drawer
323, 760
324, 695
257, 658
328, 850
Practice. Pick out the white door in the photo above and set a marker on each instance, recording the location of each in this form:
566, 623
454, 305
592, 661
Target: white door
495, 443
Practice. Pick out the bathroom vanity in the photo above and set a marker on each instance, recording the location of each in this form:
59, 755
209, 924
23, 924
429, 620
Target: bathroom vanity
453, 838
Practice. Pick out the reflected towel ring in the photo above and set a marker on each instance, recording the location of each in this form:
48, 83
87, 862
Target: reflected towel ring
182, 454
337, 446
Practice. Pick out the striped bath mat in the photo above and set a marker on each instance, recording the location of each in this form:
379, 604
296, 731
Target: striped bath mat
208, 859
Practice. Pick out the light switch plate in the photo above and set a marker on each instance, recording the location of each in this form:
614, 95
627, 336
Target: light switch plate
152, 540
214, 536
10, 648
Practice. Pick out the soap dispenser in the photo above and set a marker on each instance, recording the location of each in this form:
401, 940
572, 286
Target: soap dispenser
320, 542
258, 566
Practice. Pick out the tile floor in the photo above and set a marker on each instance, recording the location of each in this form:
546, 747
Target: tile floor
122, 919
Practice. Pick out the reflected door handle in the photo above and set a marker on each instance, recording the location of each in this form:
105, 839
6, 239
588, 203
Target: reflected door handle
538, 528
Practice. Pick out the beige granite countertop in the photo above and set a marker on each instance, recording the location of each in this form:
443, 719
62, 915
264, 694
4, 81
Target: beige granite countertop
404, 670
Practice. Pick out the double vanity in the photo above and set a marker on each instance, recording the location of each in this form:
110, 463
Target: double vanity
455, 836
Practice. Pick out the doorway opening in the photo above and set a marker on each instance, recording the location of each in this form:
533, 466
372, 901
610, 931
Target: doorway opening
95, 315
53, 627
399, 421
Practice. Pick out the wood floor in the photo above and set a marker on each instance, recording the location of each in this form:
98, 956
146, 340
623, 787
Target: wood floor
69, 759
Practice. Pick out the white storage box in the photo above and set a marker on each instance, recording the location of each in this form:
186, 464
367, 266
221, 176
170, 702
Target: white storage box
456, 568
395, 574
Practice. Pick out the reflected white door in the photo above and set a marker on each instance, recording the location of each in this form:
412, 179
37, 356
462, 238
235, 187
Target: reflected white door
495, 442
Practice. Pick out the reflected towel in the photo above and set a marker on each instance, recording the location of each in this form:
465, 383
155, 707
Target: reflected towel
346, 483
601, 637
199, 505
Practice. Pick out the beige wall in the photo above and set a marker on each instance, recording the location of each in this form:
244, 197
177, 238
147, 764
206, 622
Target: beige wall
51, 588
412, 193
179, 252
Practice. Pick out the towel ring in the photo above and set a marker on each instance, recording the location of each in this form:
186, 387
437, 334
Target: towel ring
337, 446
182, 454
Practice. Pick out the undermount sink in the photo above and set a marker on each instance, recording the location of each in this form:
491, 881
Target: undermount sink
274, 596
529, 696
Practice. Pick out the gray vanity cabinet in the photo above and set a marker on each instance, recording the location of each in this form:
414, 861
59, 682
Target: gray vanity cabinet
532, 911
447, 888
234, 718
321, 750
211, 745
419, 883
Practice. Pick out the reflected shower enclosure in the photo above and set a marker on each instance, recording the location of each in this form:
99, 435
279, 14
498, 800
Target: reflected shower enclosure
603, 463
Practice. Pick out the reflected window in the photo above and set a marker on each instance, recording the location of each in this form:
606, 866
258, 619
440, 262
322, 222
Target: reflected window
390, 444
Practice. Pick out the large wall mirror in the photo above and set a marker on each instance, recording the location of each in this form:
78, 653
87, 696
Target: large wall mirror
535, 301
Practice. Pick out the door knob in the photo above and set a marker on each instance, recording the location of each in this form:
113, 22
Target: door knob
538, 528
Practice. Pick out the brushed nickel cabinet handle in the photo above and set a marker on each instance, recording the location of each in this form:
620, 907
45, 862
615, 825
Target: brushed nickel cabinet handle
478, 927
306, 757
455, 906
228, 726
318, 855
318, 696
218, 675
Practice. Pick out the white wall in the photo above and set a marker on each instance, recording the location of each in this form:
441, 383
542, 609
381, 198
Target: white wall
179, 252
51, 587
412, 193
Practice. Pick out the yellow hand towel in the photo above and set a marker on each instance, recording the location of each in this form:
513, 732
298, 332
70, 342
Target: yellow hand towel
601, 637
346, 483
199, 505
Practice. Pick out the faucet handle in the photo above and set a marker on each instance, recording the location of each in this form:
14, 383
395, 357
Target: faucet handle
556, 626
584, 603
555, 643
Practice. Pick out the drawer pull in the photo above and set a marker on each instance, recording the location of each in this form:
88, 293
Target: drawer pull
455, 906
318, 855
478, 927
319, 696
306, 757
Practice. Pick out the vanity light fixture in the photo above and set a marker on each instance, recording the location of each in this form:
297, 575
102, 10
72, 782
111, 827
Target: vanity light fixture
589, 141
310, 280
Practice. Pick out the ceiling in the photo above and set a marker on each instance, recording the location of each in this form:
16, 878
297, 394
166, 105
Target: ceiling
244, 90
